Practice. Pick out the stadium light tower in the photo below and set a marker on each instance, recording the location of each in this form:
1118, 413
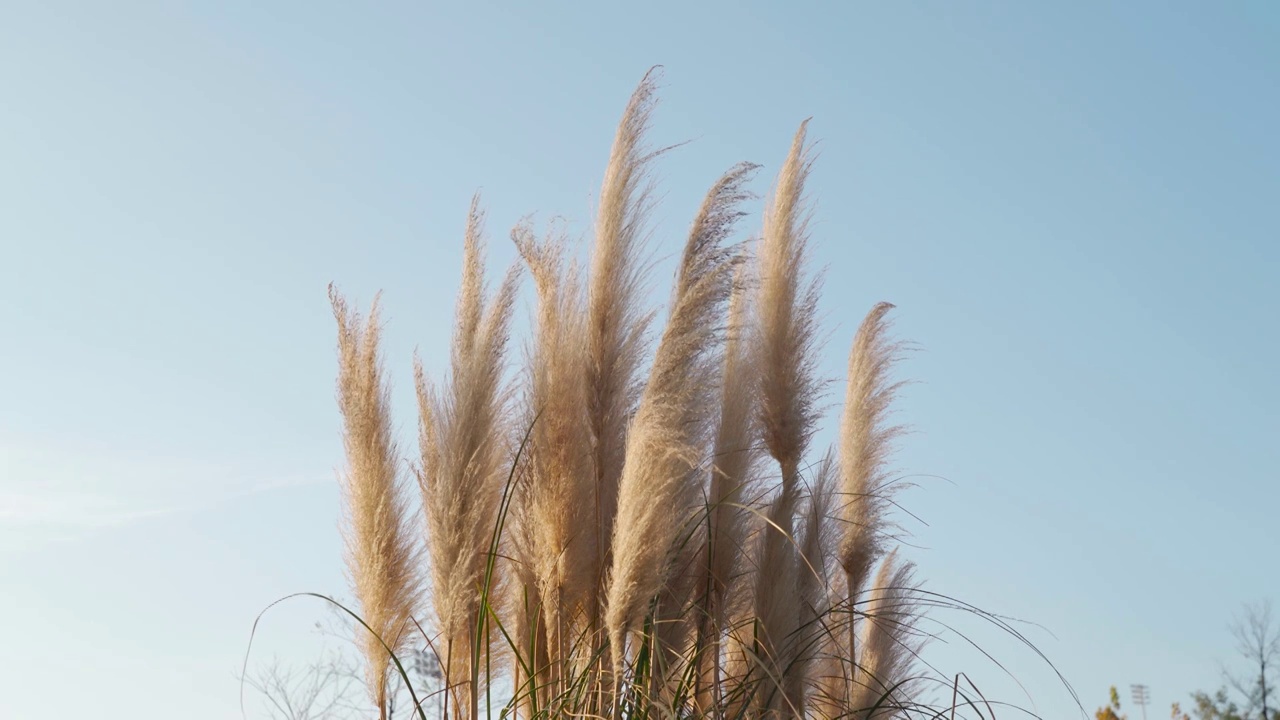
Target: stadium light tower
1141, 696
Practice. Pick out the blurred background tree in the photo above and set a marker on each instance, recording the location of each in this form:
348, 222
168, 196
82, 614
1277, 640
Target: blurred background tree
1258, 642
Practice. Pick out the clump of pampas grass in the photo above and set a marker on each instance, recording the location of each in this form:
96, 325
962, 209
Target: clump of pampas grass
604, 532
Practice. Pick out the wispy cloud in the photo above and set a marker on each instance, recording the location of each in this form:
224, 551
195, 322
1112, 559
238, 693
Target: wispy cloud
71, 509
58, 493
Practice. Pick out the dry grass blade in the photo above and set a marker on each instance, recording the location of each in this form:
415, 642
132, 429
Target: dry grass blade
382, 559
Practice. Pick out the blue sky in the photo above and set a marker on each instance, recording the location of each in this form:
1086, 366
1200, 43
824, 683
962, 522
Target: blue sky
1073, 207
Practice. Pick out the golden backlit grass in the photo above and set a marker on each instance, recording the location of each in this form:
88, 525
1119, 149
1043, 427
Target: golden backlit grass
632, 522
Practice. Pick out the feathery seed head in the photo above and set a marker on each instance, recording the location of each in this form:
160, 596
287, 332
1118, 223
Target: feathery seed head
381, 556
616, 323
556, 470
462, 434
865, 443
672, 424
787, 311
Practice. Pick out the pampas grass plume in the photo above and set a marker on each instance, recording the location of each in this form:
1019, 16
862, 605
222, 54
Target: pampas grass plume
667, 437
381, 556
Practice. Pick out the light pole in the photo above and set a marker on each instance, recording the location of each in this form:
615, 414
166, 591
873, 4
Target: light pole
1141, 696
